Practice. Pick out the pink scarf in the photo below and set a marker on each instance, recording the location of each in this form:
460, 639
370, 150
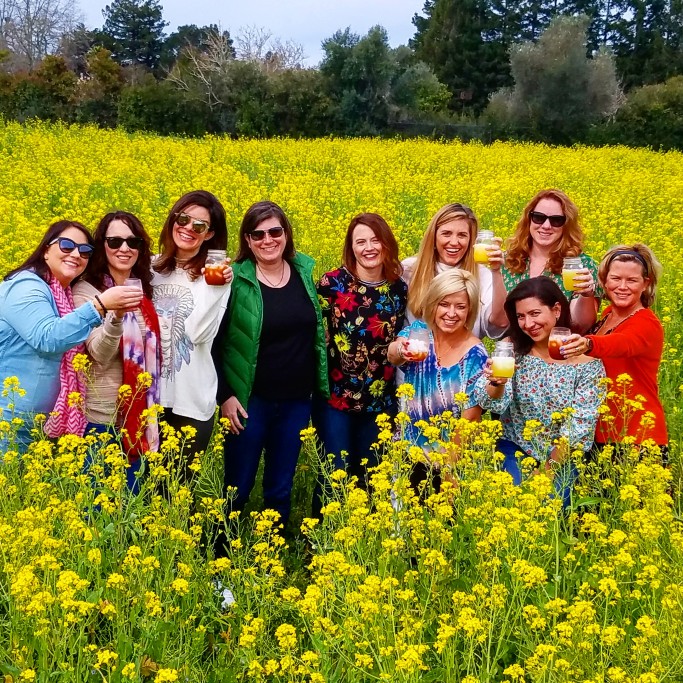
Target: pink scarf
66, 419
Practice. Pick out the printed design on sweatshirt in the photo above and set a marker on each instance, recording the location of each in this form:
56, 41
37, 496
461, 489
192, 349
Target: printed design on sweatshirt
173, 304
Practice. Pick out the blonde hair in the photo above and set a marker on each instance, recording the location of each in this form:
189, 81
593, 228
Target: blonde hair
644, 257
518, 246
445, 284
427, 258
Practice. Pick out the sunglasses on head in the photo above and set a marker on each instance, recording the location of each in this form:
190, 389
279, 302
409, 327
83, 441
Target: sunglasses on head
199, 226
68, 245
538, 218
258, 235
135, 243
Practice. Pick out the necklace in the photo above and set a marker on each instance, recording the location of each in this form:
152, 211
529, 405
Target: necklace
611, 317
279, 282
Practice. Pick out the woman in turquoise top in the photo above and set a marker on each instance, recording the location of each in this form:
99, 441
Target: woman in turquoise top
39, 324
547, 232
542, 387
447, 360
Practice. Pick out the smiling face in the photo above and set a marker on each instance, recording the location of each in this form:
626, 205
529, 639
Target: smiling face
624, 284
536, 319
544, 235
121, 260
368, 251
269, 250
66, 267
451, 312
187, 241
452, 240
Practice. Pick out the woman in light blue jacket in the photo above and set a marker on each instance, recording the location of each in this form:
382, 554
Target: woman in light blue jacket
41, 332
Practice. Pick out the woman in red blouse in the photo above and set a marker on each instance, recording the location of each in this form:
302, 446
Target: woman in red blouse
629, 339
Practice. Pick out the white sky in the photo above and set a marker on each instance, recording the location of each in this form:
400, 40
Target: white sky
307, 22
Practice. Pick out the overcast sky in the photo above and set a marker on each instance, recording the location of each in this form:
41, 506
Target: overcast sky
307, 22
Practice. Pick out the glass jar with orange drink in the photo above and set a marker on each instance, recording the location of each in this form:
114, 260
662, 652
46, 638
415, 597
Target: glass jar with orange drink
503, 360
484, 240
555, 341
570, 265
216, 260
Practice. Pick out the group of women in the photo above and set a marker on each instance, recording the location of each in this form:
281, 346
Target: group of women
275, 350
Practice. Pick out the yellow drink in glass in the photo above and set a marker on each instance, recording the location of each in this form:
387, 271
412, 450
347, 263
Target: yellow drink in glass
502, 366
568, 279
480, 254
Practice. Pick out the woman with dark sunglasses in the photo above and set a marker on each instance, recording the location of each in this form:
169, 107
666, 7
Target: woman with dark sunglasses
128, 342
273, 358
41, 330
190, 312
548, 232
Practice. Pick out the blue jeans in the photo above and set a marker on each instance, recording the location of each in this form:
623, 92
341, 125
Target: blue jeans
132, 480
563, 481
273, 426
339, 431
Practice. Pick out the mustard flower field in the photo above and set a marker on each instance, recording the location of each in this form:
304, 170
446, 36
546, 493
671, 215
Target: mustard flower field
482, 582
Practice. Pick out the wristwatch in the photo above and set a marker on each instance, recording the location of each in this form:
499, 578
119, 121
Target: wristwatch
589, 348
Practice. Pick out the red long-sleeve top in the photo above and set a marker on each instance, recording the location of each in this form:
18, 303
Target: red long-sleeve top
634, 348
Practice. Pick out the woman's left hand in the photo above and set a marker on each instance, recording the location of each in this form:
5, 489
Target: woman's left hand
495, 254
227, 273
584, 284
574, 345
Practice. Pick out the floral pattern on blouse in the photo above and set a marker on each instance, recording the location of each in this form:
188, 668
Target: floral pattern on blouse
361, 320
436, 386
536, 391
511, 280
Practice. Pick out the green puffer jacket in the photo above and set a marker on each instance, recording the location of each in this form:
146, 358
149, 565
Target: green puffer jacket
239, 343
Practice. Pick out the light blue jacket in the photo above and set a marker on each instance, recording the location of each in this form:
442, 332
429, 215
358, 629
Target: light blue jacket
33, 339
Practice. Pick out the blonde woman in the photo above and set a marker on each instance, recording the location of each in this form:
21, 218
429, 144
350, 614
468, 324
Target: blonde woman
547, 232
449, 243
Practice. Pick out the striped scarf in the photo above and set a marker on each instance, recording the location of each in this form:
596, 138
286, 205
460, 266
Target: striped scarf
67, 417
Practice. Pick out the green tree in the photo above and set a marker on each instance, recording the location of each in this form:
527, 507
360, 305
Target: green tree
134, 32
558, 91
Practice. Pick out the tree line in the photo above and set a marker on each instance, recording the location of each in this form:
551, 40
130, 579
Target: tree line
560, 71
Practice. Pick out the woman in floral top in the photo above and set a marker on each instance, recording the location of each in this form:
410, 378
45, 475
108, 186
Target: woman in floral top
542, 389
547, 232
363, 303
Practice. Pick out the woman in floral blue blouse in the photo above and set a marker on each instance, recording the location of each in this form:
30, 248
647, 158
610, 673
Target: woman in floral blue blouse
363, 303
533, 404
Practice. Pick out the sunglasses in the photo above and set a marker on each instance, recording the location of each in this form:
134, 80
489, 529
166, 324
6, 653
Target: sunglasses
199, 226
68, 245
135, 243
538, 218
258, 235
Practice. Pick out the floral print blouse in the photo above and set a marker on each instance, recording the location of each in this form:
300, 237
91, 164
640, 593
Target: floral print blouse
511, 280
436, 386
362, 318
540, 389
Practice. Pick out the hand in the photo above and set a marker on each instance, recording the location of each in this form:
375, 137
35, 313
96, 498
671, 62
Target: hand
493, 381
233, 410
495, 254
574, 345
227, 272
408, 355
584, 284
121, 299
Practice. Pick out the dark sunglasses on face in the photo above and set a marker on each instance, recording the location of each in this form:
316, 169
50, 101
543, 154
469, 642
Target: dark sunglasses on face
68, 245
258, 235
135, 243
538, 218
199, 226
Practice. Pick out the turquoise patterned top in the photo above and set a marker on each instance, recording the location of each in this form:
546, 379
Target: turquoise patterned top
435, 386
511, 279
537, 390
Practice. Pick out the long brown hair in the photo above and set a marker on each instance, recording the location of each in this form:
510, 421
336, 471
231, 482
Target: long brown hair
36, 261
391, 266
166, 262
98, 266
570, 244
427, 258
255, 215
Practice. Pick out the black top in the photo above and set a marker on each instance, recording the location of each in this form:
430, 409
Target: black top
285, 367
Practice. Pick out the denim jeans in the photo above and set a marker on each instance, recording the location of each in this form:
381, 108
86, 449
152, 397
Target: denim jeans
339, 431
273, 427
563, 481
132, 480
